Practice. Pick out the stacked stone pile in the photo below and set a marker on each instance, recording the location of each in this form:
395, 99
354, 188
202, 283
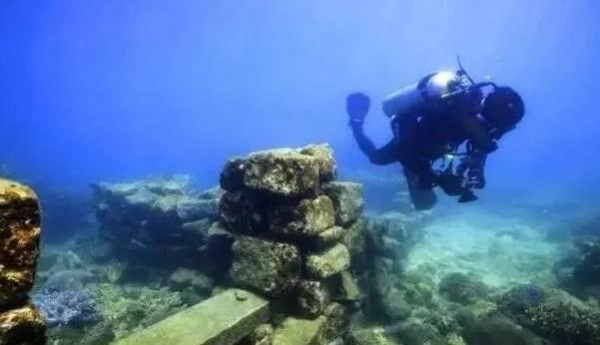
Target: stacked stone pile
20, 321
299, 237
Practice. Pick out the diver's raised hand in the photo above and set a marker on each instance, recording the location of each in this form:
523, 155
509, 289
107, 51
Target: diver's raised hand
357, 107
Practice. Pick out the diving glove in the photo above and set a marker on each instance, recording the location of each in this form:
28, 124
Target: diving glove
357, 107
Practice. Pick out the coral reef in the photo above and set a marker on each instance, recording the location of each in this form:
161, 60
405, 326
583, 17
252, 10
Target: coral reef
67, 307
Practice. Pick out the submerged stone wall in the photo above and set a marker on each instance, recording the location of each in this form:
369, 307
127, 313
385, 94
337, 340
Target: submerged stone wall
20, 321
299, 240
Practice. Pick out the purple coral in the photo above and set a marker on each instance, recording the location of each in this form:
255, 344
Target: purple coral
68, 307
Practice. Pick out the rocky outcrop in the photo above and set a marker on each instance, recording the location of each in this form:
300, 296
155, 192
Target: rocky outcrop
161, 222
20, 322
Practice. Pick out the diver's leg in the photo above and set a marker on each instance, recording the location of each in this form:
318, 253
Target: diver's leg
421, 198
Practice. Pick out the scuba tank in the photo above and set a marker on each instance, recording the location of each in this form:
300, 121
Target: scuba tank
429, 91
437, 92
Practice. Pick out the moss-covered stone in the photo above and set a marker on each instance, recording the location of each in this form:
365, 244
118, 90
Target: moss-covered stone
224, 319
330, 237
370, 336
19, 242
24, 325
243, 212
312, 297
262, 335
350, 291
283, 172
265, 266
325, 328
328, 263
347, 200
308, 218
323, 154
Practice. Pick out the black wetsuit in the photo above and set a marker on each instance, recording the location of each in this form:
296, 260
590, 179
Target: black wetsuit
420, 140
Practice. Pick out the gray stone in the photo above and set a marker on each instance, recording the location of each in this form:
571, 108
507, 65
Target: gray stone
265, 266
307, 219
349, 287
322, 330
347, 200
329, 262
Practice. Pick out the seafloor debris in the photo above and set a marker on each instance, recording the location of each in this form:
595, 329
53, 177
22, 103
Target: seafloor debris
20, 322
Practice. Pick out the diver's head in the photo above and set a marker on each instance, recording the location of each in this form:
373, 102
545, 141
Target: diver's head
503, 108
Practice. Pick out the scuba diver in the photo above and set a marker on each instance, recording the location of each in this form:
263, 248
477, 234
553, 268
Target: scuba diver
430, 121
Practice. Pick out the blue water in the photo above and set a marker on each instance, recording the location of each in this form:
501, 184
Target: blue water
115, 90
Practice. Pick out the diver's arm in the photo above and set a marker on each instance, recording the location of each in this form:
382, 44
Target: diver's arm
385, 155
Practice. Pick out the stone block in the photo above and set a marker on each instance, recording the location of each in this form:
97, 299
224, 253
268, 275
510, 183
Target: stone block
242, 212
190, 209
328, 262
19, 242
347, 199
265, 266
323, 153
370, 336
262, 335
322, 330
313, 297
330, 237
307, 218
282, 172
223, 319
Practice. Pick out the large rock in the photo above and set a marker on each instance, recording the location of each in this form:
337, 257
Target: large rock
328, 263
306, 219
283, 172
24, 325
19, 242
268, 267
347, 200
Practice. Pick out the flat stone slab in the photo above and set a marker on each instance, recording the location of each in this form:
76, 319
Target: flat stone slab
221, 320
